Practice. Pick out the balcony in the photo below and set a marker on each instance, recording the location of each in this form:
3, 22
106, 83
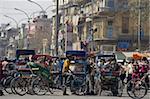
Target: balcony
107, 6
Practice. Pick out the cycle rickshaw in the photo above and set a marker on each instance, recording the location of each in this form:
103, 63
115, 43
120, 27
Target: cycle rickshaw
78, 67
109, 76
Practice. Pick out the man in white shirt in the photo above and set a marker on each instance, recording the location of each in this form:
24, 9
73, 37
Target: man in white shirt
129, 73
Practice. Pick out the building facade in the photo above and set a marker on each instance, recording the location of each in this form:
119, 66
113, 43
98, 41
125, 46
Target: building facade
40, 35
8, 41
92, 24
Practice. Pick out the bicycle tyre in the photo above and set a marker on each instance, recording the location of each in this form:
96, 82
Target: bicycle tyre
130, 89
143, 85
114, 88
41, 85
6, 84
20, 86
12, 85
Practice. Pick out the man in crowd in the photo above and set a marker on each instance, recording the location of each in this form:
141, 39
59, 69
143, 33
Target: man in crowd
65, 73
1, 75
90, 75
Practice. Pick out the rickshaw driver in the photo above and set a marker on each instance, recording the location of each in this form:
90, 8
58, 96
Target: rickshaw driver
65, 73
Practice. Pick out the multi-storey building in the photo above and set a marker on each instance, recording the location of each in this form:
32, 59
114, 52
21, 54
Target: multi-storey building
106, 22
40, 34
8, 39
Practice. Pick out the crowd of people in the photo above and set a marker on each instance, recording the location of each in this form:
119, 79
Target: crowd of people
128, 69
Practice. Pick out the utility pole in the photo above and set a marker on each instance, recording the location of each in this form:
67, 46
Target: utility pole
139, 26
57, 25
92, 31
149, 26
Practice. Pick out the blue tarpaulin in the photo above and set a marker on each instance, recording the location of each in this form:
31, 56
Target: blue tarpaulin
123, 45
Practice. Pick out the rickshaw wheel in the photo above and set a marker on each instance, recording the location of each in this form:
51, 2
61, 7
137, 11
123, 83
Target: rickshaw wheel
39, 86
12, 85
7, 86
20, 86
114, 88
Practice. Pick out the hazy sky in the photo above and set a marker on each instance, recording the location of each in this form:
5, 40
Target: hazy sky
7, 8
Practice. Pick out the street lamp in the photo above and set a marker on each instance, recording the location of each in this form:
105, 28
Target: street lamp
33, 14
27, 46
23, 12
13, 20
16, 26
49, 7
43, 11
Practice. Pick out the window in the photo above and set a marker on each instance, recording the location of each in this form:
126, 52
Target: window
110, 29
3, 34
125, 24
88, 27
41, 28
87, 1
109, 3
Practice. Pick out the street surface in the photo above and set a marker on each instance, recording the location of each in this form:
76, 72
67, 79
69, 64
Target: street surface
64, 97
60, 96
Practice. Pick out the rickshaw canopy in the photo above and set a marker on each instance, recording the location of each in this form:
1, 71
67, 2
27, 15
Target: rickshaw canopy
41, 55
101, 55
24, 52
76, 53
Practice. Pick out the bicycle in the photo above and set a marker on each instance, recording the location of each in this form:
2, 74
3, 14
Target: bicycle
40, 85
134, 87
6, 81
22, 83
77, 83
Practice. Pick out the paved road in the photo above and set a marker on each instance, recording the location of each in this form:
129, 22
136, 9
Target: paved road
64, 97
59, 96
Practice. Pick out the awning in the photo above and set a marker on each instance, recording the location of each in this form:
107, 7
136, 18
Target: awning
123, 45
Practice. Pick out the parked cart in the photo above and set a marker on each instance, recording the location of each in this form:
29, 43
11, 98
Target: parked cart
109, 76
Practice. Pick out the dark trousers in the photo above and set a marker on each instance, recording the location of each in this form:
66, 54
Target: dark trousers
92, 83
147, 81
90, 90
128, 79
122, 77
65, 78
